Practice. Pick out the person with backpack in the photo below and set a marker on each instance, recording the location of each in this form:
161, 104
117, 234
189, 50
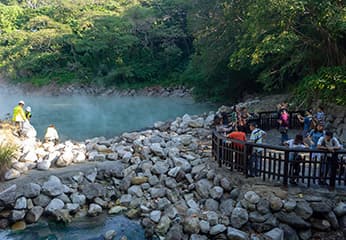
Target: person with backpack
257, 136
307, 121
330, 144
295, 158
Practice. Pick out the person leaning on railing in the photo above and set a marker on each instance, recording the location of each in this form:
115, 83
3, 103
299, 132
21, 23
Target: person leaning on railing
331, 145
256, 137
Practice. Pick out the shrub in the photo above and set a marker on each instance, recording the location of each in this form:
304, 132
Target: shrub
7, 153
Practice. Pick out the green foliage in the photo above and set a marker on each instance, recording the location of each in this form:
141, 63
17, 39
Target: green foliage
328, 85
7, 153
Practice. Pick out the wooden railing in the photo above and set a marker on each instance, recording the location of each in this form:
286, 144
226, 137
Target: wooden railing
280, 164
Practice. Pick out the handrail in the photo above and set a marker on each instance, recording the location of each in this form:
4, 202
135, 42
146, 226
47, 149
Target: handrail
280, 163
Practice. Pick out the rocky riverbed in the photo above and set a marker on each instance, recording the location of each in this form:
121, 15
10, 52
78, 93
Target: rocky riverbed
164, 177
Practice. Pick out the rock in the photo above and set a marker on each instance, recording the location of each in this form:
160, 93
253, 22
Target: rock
101, 202
340, 209
11, 174
157, 192
80, 157
256, 217
8, 196
55, 204
321, 207
4, 223
198, 237
160, 168
227, 206
125, 199
72, 208
191, 225
275, 234
174, 171
92, 190
171, 183
31, 190
212, 218
303, 210
320, 224
34, 214
139, 180
235, 234
175, 233
289, 232
225, 184
263, 206
17, 215
91, 176
53, 187
109, 235
117, 209
155, 216
252, 197
192, 204
290, 205
18, 226
292, 219
203, 187
217, 229
42, 200
157, 150
305, 234
235, 193
78, 198
197, 123
204, 226
186, 139
275, 203
44, 165
216, 192
20, 203
94, 210
331, 217
135, 190
163, 225
30, 157
239, 217
212, 205
65, 159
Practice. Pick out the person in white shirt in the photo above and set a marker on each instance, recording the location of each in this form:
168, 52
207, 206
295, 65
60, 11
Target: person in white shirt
329, 162
294, 157
256, 137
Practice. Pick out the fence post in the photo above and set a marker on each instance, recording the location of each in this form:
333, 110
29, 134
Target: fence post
334, 162
219, 151
286, 162
245, 157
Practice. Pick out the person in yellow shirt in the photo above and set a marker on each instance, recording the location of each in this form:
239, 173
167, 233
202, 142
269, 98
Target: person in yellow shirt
19, 116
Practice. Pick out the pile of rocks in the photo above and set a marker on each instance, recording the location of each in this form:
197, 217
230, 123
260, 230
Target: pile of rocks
165, 178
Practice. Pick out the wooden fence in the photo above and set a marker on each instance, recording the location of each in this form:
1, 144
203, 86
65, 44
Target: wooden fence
277, 163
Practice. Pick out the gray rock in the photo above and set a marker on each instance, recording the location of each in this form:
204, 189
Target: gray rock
204, 226
92, 190
305, 234
183, 163
109, 235
198, 237
34, 214
72, 207
171, 183
252, 197
303, 210
157, 192
125, 199
163, 225
78, 198
217, 229
225, 184
42, 200
203, 187
239, 217
11, 174
175, 233
216, 192
212, 218
321, 207
235, 234
293, 220
160, 167
32, 190
196, 123
275, 234
320, 224
55, 204
101, 202
155, 216
227, 206
290, 205
211, 205
65, 159
191, 225
17, 215
20, 203
331, 217
192, 204
154, 180
94, 210
157, 150
263, 206
275, 203
174, 171
53, 187
63, 197
340, 209
256, 217
171, 212
91, 176
135, 190
8, 196
44, 165
289, 232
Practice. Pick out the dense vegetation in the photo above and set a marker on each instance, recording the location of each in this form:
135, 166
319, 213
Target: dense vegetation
222, 48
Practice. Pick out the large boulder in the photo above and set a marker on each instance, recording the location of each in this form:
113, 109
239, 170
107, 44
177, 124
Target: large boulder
8, 196
53, 187
239, 217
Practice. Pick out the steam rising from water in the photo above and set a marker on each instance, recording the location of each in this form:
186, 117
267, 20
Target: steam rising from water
82, 117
